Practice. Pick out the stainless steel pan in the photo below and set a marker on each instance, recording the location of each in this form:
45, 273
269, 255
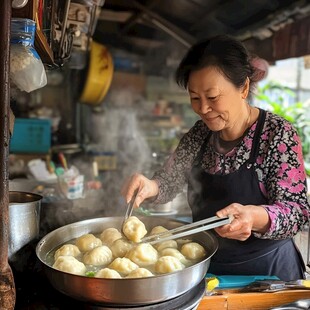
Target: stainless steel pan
123, 291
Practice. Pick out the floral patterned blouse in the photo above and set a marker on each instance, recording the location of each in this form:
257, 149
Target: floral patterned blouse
279, 166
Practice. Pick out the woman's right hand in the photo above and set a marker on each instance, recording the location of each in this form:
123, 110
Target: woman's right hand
144, 187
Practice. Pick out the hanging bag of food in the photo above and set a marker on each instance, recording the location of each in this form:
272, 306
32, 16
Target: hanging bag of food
27, 71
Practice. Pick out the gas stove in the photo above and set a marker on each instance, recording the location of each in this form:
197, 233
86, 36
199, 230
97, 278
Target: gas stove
187, 301
34, 292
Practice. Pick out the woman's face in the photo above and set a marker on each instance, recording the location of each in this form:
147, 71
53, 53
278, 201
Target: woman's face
215, 99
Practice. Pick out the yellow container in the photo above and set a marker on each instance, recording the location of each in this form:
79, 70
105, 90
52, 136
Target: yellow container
99, 76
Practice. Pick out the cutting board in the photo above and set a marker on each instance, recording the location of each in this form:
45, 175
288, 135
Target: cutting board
251, 301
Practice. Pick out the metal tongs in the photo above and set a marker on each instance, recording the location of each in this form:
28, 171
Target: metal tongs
275, 285
188, 229
129, 208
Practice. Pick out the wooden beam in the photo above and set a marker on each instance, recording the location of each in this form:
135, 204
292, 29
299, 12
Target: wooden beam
7, 286
161, 23
291, 41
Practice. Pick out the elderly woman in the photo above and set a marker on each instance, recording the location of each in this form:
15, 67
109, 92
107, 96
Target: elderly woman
237, 160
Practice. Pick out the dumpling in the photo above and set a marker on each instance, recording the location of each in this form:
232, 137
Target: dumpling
143, 254
120, 247
134, 229
166, 244
158, 230
175, 253
166, 264
140, 273
67, 250
123, 265
108, 274
109, 235
182, 241
70, 264
193, 250
101, 255
87, 242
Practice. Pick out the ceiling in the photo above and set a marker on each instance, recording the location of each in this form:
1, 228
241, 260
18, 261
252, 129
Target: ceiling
159, 31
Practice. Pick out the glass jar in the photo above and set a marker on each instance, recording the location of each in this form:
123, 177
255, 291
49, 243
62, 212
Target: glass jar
27, 71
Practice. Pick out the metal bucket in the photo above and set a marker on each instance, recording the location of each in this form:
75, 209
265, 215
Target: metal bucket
24, 221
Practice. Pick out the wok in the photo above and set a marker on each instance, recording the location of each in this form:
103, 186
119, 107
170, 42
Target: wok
133, 291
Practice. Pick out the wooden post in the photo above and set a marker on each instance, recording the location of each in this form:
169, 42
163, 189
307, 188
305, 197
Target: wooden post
7, 286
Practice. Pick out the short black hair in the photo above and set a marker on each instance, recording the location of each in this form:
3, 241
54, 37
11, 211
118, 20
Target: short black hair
223, 52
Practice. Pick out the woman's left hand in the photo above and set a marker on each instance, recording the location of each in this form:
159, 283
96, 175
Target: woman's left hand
246, 218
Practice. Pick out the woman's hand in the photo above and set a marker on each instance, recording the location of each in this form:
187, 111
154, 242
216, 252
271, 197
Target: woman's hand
144, 187
246, 218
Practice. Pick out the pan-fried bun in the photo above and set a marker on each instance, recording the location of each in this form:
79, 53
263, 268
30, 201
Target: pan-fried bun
109, 235
67, 250
120, 247
87, 242
166, 264
143, 254
108, 274
70, 264
134, 229
140, 273
123, 265
193, 250
98, 256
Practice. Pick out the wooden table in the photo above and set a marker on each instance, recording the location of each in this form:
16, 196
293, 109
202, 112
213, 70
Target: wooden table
232, 300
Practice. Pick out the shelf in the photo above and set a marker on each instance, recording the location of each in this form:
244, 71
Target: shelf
43, 49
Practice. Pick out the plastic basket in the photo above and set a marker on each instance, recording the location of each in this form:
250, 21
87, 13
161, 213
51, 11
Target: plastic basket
31, 136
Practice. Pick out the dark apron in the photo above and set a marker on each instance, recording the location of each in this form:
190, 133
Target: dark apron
208, 193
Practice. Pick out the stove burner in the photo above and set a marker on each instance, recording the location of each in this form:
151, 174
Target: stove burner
33, 292
187, 301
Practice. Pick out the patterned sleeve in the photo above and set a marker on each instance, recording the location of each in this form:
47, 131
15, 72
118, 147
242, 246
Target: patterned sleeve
172, 177
284, 180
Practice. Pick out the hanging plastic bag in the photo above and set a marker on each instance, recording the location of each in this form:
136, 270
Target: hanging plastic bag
27, 71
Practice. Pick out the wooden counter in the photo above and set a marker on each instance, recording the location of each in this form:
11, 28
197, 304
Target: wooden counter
247, 301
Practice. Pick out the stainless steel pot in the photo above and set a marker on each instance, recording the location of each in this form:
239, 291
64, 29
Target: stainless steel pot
24, 221
122, 291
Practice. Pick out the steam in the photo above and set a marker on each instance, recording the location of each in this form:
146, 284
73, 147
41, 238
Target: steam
117, 131
114, 130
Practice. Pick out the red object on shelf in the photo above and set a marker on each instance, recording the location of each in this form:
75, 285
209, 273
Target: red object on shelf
40, 13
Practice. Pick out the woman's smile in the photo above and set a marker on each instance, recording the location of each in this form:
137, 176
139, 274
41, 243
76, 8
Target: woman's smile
211, 118
214, 122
